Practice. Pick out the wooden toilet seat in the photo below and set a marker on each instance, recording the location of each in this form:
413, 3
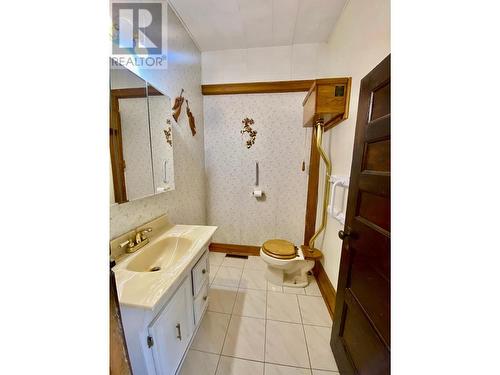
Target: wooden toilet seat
280, 249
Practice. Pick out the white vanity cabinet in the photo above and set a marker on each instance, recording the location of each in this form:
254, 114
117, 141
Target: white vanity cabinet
158, 338
171, 331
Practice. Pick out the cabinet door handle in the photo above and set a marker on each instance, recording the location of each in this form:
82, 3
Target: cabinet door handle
203, 271
179, 334
205, 298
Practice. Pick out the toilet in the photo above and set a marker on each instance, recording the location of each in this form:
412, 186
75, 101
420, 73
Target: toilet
286, 264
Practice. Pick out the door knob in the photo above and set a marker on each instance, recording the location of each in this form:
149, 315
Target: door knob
344, 234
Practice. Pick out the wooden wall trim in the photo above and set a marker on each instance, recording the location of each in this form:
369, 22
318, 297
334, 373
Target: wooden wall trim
257, 87
325, 286
234, 249
312, 191
134, 92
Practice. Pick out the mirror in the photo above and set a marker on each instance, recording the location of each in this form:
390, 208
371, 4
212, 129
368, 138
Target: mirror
141, 139
160, 123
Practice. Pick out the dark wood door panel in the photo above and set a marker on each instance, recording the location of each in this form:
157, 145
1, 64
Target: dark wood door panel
373, 242
375, 182
378, 129
381, 102
371, 288
368, 354
378, 156
374, 208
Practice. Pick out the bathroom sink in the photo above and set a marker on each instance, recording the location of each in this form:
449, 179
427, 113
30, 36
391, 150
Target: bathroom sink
146, 278
161, 255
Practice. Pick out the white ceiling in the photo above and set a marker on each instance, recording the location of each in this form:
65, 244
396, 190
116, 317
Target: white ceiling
234, 24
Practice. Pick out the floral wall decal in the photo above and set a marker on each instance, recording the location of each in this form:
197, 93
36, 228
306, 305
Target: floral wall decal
168, 135
247, 128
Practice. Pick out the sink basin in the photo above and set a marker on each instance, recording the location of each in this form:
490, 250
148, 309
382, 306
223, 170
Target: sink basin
160, 255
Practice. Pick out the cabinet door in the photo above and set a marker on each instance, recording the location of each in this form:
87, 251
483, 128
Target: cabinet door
200, 274
172, 330
200, 303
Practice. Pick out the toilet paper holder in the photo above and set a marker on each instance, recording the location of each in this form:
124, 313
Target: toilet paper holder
258, 194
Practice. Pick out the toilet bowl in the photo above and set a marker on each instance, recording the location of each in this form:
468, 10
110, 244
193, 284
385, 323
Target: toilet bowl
286, 265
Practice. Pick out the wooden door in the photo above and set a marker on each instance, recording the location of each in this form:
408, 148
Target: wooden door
361, 323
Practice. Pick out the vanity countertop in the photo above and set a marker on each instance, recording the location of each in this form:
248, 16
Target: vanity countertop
146, 289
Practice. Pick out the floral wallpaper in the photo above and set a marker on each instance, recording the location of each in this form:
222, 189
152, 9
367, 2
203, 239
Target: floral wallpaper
185, 204
279, 149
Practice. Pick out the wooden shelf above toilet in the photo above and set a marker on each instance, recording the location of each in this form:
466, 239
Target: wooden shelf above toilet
314, 255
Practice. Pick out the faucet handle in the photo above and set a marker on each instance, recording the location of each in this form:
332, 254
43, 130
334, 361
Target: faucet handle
143, 232
127, 243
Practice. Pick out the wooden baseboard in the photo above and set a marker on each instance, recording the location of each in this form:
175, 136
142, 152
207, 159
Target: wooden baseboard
325, 286
234, 249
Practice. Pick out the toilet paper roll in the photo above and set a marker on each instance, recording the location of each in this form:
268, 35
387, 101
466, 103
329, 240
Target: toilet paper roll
257, 193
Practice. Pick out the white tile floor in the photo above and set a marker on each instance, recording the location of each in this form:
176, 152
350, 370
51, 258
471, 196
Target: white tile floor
253, 327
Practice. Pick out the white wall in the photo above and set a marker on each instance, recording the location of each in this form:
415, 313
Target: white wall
298, 61
230, 167
360, 40
186, 204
